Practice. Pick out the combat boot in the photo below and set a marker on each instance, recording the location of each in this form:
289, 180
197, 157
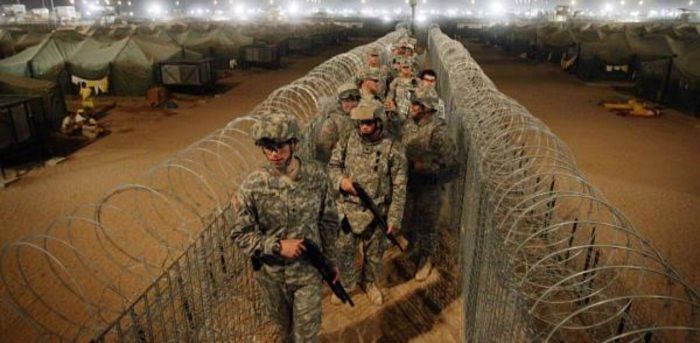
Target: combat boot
424, 270
374, 294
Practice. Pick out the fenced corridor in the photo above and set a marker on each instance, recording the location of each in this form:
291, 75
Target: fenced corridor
529, 250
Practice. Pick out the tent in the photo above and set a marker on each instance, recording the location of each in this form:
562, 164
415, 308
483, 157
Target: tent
684, 84
215, 44
45, 60
29, 39
128, 64
7, 44
608, 58
521, 39
48, 113
653, 57
555, 42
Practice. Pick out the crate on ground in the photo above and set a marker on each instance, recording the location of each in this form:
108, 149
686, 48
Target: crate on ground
197, 75
262, 55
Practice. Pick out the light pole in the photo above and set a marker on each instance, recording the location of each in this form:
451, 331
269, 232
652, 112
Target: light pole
413, 4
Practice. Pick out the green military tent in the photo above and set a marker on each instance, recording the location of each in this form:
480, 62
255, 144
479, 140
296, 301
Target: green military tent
45, 60
684, 85
7, 44
653, 58
127, 63
554, 41
47, 113
607, 58
28, 39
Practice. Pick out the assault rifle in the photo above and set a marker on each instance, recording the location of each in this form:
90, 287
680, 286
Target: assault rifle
315, 256
369, 204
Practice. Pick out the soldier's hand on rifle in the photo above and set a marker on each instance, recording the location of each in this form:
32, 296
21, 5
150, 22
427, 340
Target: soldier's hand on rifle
336, 276
346, 186
291, 248
390, 106
391, 230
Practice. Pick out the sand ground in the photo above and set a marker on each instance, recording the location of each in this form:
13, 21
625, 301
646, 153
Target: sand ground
647, 167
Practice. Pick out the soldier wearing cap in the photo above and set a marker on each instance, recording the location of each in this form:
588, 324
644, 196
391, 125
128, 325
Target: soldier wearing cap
336, 122
430, 151
374, 160
398, 101
276, 207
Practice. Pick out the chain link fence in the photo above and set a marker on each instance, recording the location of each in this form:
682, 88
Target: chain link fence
84, 276
545, 257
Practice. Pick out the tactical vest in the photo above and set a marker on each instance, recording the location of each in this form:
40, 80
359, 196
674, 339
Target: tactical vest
368, 164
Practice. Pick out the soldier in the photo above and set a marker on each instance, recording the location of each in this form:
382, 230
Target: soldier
398, 101
428, 81
377, 163
277, 206
431, 158
374, 63
368, 82
337, 122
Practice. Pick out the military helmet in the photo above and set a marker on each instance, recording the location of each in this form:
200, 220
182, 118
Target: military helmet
374, 51
367, 110
275, 127
428, 101
347, 90
370, 74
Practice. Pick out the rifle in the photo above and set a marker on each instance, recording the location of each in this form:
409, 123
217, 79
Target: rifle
368, 203
315, 256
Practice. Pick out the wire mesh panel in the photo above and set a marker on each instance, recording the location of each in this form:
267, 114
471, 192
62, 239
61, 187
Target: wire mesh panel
544, 256
151, 261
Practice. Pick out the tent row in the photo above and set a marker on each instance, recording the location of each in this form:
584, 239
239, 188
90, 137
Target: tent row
663, 59
126, 56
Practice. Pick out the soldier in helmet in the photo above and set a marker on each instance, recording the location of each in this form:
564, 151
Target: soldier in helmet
430, 151
336, 122
277, 206
374, 63
374, 160
398, 100
369, 83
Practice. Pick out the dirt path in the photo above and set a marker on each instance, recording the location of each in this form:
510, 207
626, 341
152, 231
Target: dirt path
648, 168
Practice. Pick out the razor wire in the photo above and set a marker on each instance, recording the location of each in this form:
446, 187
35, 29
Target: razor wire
85, 274
545, 257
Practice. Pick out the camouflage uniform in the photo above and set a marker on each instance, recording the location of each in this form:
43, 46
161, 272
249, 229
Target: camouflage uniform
335, 125
400, 91
380, 168
429, 142
270, 207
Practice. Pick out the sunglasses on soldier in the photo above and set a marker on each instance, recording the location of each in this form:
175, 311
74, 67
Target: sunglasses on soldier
366, 122
270, 145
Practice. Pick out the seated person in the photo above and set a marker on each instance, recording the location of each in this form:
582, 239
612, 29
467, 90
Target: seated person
79, 124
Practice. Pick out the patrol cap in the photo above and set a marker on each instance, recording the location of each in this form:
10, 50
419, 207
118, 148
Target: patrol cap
275, 127
367, 110
347, 91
